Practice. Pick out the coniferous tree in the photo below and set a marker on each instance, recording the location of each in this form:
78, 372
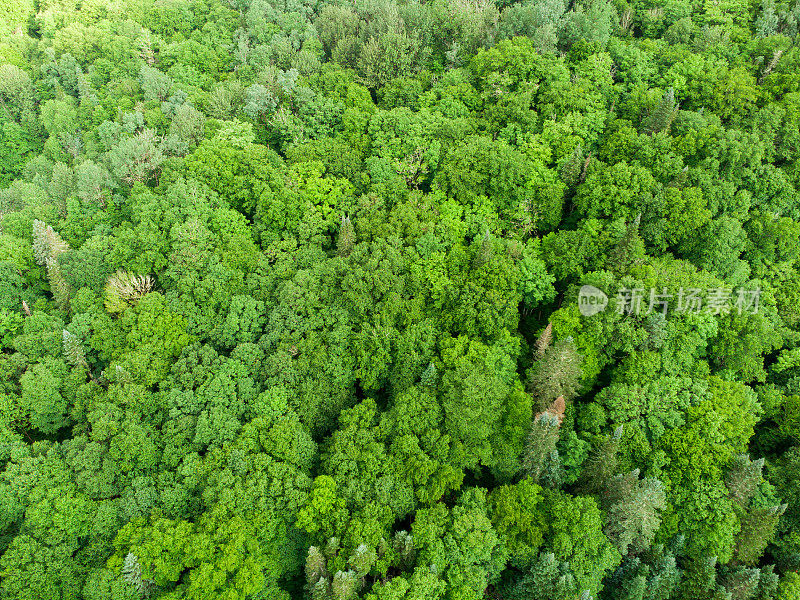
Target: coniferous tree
47, 243
155, 84
629, 250
73, 350
557, 373
343, 586
362, 560
41, 242
403, 545
453, 55
700, 579
132, 574
743, 477
347, 237
383, 548
315, 566
547, 579
651, 575
125, 289
541, 456
556, 409
146, 48
680, 180
587, 161
740, 582
632, 507
768, 583
601, 464
322, 590
121, 375
332, 548
543, 341
759, 525
58, 284
662, 117
571, 169
485, 252
776, 57
430, 376
47, 247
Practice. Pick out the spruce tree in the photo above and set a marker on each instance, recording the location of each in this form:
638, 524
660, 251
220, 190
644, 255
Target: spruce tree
547, 579
661, 118
131, 570
776, 56
601, 464
629, 250
650, 575
47, 244
132, 574
485, 252
125, 289
544, 340
453, 55
557, 373
403, 545
541, 456
322, 590
700, 579
429, 376
146, 48
571, 170
743, 477
768, 583
383, 548
681, 179
556, 409
41, 245
633, 510
740, 582
121, 375
665, 575
73, 350
343, 586
47, 247
347, 237
315, 566
58, 284
332, 548
759, 525
362, 560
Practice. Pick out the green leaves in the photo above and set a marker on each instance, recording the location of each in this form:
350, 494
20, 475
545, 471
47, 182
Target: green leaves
258, 318
574, 532
324, 512
154, 337
460, 545
42, 396
517, 515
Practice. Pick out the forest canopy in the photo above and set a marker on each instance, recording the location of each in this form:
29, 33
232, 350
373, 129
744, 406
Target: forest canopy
399, 300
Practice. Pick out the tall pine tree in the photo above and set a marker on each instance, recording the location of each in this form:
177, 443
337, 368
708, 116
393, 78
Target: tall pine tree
662, 117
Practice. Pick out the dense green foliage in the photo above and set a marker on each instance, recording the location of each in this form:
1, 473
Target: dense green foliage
289, 300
